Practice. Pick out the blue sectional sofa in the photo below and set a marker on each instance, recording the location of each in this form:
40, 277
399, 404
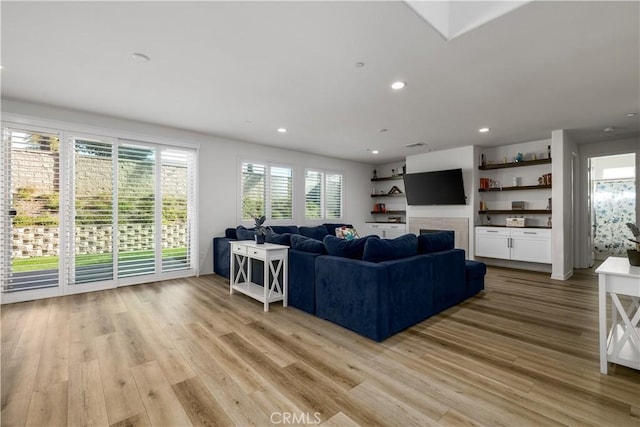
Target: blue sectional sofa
375, 287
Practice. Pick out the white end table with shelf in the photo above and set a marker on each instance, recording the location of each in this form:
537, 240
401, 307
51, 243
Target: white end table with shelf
275, 259
620, 341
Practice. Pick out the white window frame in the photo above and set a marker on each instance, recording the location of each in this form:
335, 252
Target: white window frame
65, 130
323, 195
267, 186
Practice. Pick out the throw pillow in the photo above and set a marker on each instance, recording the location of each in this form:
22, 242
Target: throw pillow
376, 250
244, 233
317, 232
347, 233
307, 244
435, 242
331, 227
278, 239
346, 248
281, 229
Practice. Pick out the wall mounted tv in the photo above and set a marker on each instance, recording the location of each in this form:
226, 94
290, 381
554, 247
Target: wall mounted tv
435, 188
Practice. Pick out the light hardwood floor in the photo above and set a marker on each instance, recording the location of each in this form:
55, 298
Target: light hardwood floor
524, 352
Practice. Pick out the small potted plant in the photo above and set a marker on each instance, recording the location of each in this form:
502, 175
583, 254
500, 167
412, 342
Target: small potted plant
261, 230
634, 254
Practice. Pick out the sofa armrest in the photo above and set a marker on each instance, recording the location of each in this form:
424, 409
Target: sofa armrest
302, 280
448, 278
222, 256
353, 294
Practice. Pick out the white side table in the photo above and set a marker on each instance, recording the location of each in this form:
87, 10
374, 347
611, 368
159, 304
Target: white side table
275, 259
622, 345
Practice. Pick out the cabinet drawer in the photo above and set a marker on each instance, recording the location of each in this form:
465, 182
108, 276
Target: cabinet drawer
257, 253
238, 249
492, 231
531, 232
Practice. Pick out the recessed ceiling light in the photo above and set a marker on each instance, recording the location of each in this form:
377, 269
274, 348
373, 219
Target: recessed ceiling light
383, 130
374, 151
610, 130
628, 115
282, 130
484, 130
140, 57
1, 67
359, 64
398, 85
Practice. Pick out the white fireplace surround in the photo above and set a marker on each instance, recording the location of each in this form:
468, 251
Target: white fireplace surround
460, 226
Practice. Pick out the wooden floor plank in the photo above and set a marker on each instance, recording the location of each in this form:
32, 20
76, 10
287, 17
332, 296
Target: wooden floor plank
184, 351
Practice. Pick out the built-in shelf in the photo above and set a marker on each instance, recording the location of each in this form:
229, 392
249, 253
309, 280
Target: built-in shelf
386, 178
514, 164
388, 195
516, 211
520, 187
390, 212
384, 222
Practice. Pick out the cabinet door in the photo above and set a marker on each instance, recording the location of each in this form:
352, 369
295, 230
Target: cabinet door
393, 231
492, 243
532, 246
374, 229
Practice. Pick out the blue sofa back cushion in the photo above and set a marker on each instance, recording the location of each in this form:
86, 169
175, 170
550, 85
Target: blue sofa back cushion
317, 232
331, 228
245, 233
278, 239
435, 242
282, 229
346, 248
307, 244
376, 250
230, 233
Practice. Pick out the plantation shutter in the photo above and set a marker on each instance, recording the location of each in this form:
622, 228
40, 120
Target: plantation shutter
253, 184
281, 193
90, 211
178, 208
333, 196
30, 184
313, 194
136, 210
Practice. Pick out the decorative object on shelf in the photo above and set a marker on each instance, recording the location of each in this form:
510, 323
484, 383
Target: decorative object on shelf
394, 219
375, 174
483, 160
534, 157
549, 222
548, 151
545, 179
261, 230
519, 157
516, 221
483, 205
393, 172
517, 205
484, 183
517, 181
404, 169
488, 220
394, 190
379, 208
549, 205
634, 254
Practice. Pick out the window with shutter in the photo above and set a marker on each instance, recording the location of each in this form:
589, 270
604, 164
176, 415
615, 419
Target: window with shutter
323, 195
266, 190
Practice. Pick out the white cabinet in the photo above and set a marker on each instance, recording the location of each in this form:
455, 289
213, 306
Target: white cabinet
518, 244
385, 230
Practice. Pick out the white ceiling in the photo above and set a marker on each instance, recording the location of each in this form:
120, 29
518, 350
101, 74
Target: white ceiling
215, 65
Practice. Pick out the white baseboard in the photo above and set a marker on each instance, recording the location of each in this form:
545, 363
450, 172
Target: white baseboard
564, 276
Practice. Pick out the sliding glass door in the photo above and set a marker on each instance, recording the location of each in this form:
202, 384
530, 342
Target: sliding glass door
127, 213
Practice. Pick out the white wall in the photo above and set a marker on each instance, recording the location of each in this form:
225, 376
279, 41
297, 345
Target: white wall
564, 153
464, 158
218, 167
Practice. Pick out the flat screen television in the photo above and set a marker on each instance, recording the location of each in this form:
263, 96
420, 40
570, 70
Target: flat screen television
435, 188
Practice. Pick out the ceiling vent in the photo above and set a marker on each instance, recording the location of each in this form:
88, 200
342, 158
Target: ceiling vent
415, 144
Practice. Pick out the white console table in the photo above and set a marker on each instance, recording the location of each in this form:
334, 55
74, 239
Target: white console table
275, 259
620, 341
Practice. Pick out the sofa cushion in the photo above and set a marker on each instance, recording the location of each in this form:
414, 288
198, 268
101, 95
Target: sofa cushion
245, 233
435, 242
230, 233
282, 229
278, 239
331, 227
376, 250
346, 248
475, 269
348, 233
317, 232
307, 244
